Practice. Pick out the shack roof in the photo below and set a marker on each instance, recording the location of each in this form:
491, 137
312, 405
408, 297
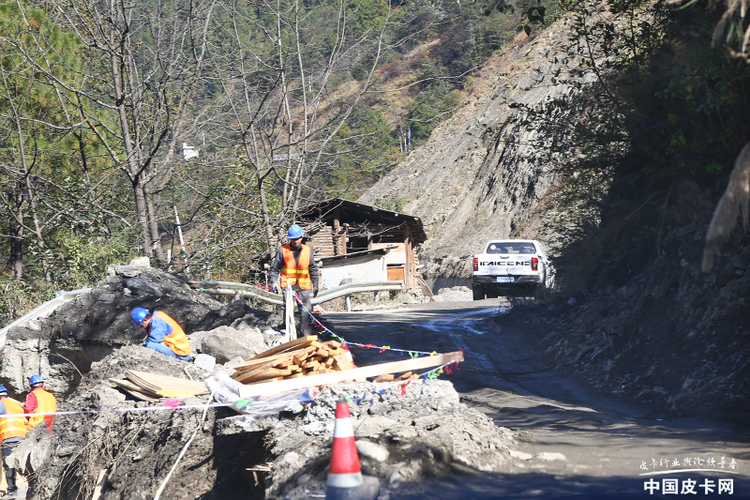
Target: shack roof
358, 213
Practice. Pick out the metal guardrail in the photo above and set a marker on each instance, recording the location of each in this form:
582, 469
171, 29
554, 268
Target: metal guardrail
41, 311
244, 290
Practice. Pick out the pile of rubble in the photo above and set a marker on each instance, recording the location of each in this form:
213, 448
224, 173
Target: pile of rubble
136, 422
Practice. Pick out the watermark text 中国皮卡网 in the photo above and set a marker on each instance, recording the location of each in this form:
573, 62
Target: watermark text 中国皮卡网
689, 485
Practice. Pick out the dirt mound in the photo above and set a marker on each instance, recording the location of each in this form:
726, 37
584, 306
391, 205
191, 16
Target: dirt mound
402, 436
64, 345
670, 337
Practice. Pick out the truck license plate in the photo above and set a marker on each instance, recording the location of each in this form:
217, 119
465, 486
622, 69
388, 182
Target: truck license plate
505, 279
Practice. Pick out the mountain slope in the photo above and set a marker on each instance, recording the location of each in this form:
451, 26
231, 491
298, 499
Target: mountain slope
482, 171
634, 315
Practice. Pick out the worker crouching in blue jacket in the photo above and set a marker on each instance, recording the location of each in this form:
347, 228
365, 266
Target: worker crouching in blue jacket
164, 333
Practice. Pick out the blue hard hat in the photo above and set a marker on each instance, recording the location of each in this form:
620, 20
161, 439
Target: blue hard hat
35, 379
138, 315
295, 232
3, 390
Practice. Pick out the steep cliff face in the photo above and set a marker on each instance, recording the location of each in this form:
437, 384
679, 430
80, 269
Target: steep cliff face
635, 314
487, 171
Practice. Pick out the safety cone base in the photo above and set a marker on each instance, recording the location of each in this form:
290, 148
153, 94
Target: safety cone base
345, 476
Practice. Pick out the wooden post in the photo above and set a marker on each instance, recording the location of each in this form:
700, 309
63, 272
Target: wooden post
342, 240
339, 233
409, 265
336, 238
291, 329
183, 250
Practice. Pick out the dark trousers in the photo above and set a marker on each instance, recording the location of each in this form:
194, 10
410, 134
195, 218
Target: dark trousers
305, 323
10, 473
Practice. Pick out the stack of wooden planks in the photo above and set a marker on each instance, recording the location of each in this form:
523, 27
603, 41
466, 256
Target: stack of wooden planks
152, 386
298, 358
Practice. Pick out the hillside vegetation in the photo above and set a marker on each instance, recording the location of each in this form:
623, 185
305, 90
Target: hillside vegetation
286, 103
584, 134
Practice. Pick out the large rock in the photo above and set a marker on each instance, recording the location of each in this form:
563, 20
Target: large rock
226, 343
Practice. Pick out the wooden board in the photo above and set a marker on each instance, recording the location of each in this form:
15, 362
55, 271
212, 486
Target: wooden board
263, 371
127, 384
252, 371
395, 273
265, 380
249, 391
253, 362
294, 344
343, 362
166, 386
141, 395
134, 390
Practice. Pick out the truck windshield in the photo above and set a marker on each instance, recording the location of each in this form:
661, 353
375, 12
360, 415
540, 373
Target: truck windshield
511, 247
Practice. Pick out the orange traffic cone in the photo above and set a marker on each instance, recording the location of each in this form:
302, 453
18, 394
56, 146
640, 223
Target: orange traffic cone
345, 480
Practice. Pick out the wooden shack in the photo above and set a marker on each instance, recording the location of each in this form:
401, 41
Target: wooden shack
347, 234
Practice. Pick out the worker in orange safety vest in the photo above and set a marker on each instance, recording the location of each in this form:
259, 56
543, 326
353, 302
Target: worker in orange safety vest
164, 333
39, 401
12, 430
295, 266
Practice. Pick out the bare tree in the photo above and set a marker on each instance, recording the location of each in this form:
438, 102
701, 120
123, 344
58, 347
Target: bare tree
154, 56
30, 134
253, 78
285, 110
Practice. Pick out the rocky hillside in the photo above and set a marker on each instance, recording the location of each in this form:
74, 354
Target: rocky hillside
482, 173
635, 315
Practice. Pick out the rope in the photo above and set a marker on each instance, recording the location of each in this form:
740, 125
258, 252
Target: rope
314, 320
114, 410
243, 404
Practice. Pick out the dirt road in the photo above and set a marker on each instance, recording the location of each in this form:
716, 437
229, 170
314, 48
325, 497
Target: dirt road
572, 442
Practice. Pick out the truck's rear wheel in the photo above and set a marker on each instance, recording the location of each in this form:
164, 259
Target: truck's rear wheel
477, 292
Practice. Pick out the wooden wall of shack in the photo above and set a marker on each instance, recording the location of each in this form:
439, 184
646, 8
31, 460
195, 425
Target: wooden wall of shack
334, 238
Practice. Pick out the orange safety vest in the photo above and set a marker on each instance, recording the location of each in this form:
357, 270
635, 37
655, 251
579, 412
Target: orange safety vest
177, 340
11, 427
291, 273
45, 402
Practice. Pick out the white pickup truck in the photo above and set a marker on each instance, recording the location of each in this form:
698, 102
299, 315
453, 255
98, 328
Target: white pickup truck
510, 267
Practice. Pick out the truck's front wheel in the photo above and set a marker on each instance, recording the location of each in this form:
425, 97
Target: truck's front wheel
477, 292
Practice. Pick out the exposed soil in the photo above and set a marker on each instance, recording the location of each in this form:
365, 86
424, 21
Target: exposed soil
124, 448
671, 337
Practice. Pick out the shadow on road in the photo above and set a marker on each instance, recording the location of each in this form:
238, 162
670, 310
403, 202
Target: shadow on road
601, 445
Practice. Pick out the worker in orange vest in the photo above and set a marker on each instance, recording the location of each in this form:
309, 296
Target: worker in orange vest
295, 266
164, 334
39, 400
12, 430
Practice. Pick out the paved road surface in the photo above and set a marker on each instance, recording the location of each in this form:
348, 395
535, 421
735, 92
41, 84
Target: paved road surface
572, 442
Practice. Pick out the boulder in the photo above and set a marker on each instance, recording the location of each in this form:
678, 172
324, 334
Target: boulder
226, 343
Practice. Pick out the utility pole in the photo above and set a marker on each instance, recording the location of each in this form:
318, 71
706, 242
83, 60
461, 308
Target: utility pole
183, 250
